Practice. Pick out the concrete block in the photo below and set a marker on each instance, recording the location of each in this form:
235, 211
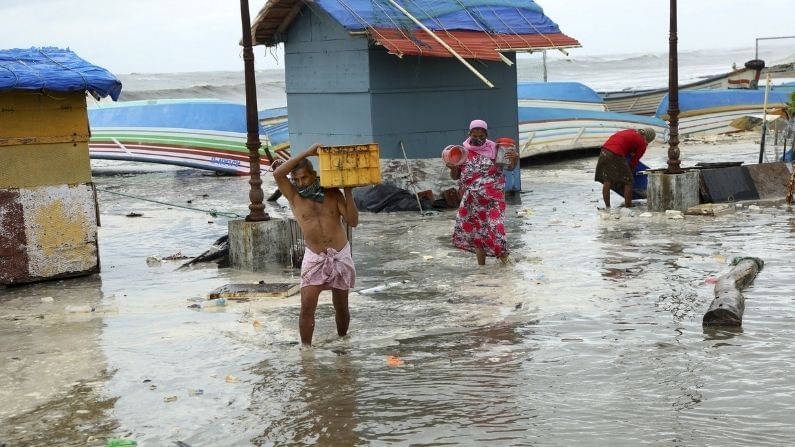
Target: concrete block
672, 191
47, 232
258, 246
770, 179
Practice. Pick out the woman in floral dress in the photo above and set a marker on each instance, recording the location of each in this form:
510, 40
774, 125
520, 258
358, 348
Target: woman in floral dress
480, 224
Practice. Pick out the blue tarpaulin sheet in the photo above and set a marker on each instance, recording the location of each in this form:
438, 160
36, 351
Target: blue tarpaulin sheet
54, 69
493, 16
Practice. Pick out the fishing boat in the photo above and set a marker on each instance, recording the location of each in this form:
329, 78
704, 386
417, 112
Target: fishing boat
563, 116
711, 112
645, 101
198, 133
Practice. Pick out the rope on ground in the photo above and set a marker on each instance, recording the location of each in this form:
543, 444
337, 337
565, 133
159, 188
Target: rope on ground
213, 213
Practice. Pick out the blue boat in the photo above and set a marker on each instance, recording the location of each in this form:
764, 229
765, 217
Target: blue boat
711, 112
198, 133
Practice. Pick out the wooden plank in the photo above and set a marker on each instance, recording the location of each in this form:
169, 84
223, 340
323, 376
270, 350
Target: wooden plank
253, 291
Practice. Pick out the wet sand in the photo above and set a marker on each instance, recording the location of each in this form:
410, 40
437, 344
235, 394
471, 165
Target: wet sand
593, 336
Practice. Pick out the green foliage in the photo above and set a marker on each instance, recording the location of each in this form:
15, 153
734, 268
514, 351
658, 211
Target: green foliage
792, 104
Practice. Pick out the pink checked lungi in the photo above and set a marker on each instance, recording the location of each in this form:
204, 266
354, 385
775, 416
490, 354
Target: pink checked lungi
332, 269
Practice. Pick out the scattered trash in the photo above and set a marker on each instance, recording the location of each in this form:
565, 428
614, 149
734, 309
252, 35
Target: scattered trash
218, 302
134, 215
256, 324
119, 442
754, 208
168, 399
382, 287
525, 212
394, 361
195, 392
154, 260
176, 256
47, 299
711, 280
646, 214
91, 439
674, 214
554, 221
427, 258
230, 379
194, 306
85, 309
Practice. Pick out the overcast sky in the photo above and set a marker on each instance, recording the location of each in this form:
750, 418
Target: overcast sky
198, 35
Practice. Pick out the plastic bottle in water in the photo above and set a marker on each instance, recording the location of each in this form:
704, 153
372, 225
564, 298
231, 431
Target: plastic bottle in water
217, 302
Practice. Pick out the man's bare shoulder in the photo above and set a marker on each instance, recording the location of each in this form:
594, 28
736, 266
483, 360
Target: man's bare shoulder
333, 193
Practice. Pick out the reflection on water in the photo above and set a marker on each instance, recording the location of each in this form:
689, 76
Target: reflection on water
593, 337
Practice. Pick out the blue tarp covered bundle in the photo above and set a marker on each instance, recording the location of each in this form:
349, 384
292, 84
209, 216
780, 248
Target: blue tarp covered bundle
56, 70
492, 16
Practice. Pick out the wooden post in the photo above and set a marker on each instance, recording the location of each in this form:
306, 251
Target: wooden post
729, 304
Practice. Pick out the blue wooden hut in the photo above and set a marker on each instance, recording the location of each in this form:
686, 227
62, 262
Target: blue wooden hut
405, 71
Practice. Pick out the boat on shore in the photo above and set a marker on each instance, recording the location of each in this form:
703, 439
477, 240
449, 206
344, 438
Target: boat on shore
711, 112
564, 116
197, 133
645, 101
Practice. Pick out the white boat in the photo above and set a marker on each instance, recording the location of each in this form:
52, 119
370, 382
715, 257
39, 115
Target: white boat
645, 102
564, 116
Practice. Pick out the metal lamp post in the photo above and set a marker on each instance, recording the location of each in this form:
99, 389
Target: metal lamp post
253, 144
673, 97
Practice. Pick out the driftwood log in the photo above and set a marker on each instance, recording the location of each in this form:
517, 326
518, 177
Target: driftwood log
729, 304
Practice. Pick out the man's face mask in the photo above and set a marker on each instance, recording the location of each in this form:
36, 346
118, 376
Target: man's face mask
312, 192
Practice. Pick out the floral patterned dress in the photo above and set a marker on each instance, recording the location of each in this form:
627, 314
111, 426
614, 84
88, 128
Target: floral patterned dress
480, 224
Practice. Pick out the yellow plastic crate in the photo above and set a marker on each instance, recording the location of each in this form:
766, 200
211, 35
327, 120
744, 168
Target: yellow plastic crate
349, 166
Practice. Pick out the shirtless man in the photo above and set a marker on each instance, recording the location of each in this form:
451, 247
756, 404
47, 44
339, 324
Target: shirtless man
327, 260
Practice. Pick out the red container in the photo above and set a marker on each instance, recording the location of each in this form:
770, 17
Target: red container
454, 155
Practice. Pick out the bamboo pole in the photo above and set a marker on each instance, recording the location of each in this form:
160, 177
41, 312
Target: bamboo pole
728, 305
442, 43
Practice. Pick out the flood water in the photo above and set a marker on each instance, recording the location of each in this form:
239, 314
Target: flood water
592, 337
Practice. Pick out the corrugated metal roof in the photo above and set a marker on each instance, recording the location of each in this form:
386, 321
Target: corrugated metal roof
469, 44
401, 37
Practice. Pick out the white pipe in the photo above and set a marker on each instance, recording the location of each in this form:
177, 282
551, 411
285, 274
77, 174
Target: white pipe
442, 43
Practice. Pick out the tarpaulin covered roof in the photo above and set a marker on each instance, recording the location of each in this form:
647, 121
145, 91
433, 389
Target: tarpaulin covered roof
477, 29
54, 69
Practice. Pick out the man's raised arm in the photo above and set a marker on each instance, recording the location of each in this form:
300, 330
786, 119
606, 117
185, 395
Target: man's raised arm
280, 174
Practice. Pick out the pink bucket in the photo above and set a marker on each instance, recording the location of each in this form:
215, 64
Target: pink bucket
454, 155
